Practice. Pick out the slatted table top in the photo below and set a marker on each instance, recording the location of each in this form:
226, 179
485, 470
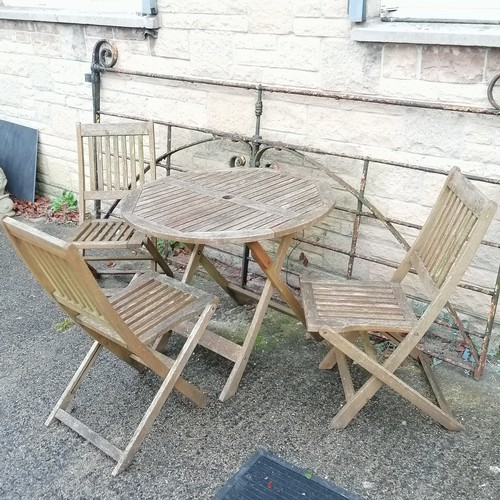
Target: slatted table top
237, 205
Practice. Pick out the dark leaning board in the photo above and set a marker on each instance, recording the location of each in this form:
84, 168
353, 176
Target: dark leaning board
18, 156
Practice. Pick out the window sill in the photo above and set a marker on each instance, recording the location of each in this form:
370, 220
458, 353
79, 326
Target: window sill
470, 35
72, 16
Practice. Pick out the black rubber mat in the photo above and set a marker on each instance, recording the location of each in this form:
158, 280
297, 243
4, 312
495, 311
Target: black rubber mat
268, 477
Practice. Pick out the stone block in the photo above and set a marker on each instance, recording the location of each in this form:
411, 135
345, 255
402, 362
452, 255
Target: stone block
171, 43
270, 17
452, 64
255, 41
41, 74
7, 35
306, 8
47, 27
292, 77
201, 7
284, 116
434, 133
354, 127
23, 37
12, 47
486, 153
70, 43
298, 53
321, 27
435, 91
231, 113
79, 103
204, 22
250, 74
135, 34
211, 54
62, 120
394, 182
19, 25
251, 57
400, 61
492, 63
482, 130
350, 66
99, 31
334, 8
12, 65
68, 71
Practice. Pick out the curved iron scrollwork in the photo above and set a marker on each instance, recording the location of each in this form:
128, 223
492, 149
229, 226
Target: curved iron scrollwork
491, 85
237, 161
104, 55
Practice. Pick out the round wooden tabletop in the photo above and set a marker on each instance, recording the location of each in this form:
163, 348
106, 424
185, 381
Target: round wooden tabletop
237, 205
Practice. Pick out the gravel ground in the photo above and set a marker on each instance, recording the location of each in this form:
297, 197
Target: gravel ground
284, 404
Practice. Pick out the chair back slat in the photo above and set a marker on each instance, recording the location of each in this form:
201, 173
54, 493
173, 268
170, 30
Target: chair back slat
133, 162
107, 168
114, 158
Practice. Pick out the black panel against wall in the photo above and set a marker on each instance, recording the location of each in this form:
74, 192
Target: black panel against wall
18, 156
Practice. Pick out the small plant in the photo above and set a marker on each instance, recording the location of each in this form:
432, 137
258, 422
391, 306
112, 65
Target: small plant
66, 202
170, 245
176, 247
63, 325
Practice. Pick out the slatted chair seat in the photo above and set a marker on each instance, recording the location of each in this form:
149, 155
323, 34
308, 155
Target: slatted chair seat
343, 312
131, 325
113, 159
115, 232
360, 306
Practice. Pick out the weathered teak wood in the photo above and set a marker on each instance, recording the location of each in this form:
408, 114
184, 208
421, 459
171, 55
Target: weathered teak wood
237, 206
128, 324
112, 160
440, 256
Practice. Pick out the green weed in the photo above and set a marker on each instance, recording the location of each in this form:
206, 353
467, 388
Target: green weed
63, 325
66, 202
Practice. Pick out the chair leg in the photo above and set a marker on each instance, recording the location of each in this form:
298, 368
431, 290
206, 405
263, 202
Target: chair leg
345, 376
158, 258
367, 346
329, 361
165, 389
381, 375
161, 342
76, 381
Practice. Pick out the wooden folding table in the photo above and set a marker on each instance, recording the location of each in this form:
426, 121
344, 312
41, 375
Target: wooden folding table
232, 206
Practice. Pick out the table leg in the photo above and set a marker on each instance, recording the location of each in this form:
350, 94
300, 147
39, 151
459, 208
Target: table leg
201, 259
272, 271
194, 261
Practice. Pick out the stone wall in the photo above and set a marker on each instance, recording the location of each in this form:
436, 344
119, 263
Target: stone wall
299, 43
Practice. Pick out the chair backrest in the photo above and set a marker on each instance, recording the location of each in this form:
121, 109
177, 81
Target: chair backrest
63, 273
112, 159
448, 240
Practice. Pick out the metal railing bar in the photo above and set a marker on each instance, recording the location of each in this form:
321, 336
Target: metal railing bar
336, 95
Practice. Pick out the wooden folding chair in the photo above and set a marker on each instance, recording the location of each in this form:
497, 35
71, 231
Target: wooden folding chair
128, 325
344, 312
114, 158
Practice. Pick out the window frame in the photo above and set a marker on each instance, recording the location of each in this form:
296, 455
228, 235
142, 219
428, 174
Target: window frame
90, 13
441, 11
